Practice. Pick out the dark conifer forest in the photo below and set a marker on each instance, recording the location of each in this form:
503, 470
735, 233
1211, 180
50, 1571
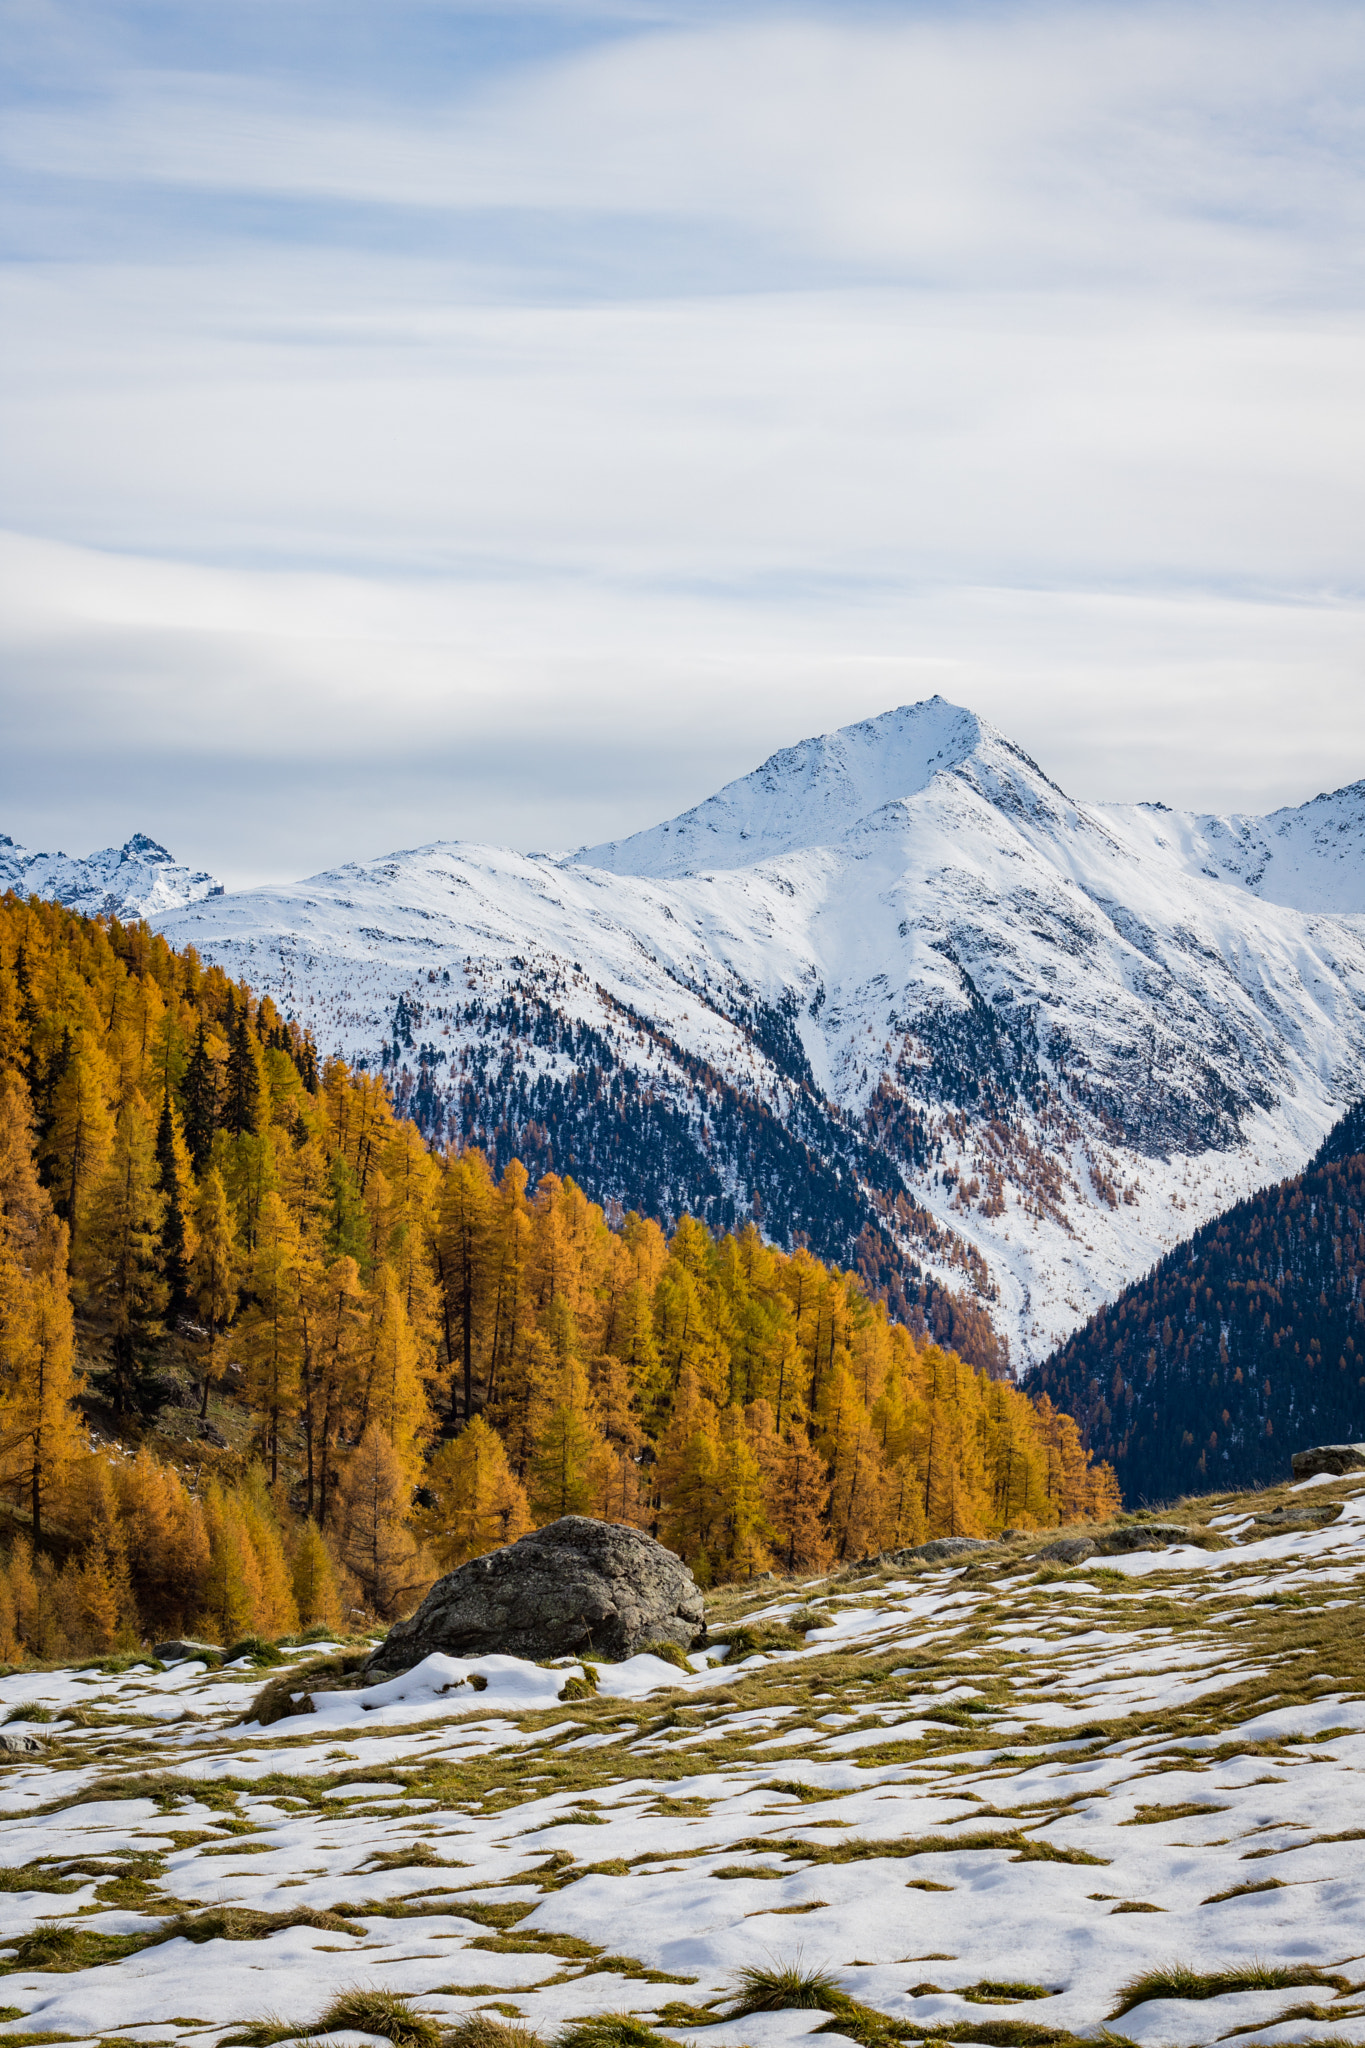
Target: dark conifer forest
1243, 1344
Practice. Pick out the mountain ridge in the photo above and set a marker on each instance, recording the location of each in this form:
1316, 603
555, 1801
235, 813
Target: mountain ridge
138, 879
894, 981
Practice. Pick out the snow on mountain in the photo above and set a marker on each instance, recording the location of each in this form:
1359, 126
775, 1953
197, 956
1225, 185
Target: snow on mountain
896, 979
137, 879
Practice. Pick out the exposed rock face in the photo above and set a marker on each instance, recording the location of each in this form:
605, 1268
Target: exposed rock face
578, 1586
1333, 1458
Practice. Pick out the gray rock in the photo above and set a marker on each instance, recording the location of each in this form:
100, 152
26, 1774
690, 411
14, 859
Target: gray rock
18, 1742
1333, 1458
1142, 1536
211, 1434
577, 1587
182, 1647
1070, 1550
1312, 1514
938, 1551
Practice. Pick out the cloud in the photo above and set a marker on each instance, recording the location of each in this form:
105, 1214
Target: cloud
266, 725
519, 446
1199, 145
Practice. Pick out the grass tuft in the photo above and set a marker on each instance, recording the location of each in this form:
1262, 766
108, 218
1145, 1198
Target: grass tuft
370, 2011
611, 2030
786, 1987
992, 1991
257, 1648
482, 2030
1178, 1980
669, 1653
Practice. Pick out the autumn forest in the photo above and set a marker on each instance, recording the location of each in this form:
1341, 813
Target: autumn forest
380, 1359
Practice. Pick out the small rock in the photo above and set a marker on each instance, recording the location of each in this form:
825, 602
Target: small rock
1311, 1513
1142, 1536
937, 1551
180, 1648
575, 1586
17, 1742
1333, 1458
1070, 1550
211, 1434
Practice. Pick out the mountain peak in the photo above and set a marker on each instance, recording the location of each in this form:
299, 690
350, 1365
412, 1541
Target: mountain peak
806, 795
134, 880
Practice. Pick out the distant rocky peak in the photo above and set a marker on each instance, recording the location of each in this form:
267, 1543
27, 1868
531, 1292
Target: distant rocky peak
139, 847
138, 879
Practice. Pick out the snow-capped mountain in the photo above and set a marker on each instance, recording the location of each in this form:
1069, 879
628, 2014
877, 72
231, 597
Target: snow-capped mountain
894, 986
137, 879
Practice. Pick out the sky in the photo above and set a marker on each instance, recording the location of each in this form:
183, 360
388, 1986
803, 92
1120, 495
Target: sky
426, 421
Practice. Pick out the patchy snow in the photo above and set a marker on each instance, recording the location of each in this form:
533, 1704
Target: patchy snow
1141, 1772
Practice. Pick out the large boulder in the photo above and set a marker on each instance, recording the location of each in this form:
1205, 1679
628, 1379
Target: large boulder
1335, 1459
576, 1588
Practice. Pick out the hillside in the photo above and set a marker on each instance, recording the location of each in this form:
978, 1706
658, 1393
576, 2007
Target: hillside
324, 1361
912, 1812
1249, 1336
895, 993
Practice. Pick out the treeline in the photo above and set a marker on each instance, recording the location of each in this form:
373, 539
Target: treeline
425, 1359
1244, 1344
684, 1139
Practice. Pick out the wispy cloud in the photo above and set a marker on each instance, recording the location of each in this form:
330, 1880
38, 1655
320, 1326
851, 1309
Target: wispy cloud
695, 374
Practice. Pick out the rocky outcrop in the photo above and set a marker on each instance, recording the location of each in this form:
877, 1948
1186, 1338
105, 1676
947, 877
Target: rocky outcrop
940, 1550
1142, 1536
18, 1742
576, 1588
1069, 1550
1332, 1459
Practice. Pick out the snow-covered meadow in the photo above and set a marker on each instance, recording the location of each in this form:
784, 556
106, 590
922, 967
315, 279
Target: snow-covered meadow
1000, 1802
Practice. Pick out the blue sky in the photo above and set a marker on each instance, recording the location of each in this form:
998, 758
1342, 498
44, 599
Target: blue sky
422, 421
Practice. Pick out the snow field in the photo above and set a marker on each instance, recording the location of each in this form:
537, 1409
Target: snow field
975, 1777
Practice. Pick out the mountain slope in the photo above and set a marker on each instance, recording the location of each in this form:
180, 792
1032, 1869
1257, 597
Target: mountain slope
1249, 1336
137, 879
896, 981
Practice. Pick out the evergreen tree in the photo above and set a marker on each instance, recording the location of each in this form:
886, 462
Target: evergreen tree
346, 1234
466, 1202
242, 1090
201, 1102
122, 1261
174, 1248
